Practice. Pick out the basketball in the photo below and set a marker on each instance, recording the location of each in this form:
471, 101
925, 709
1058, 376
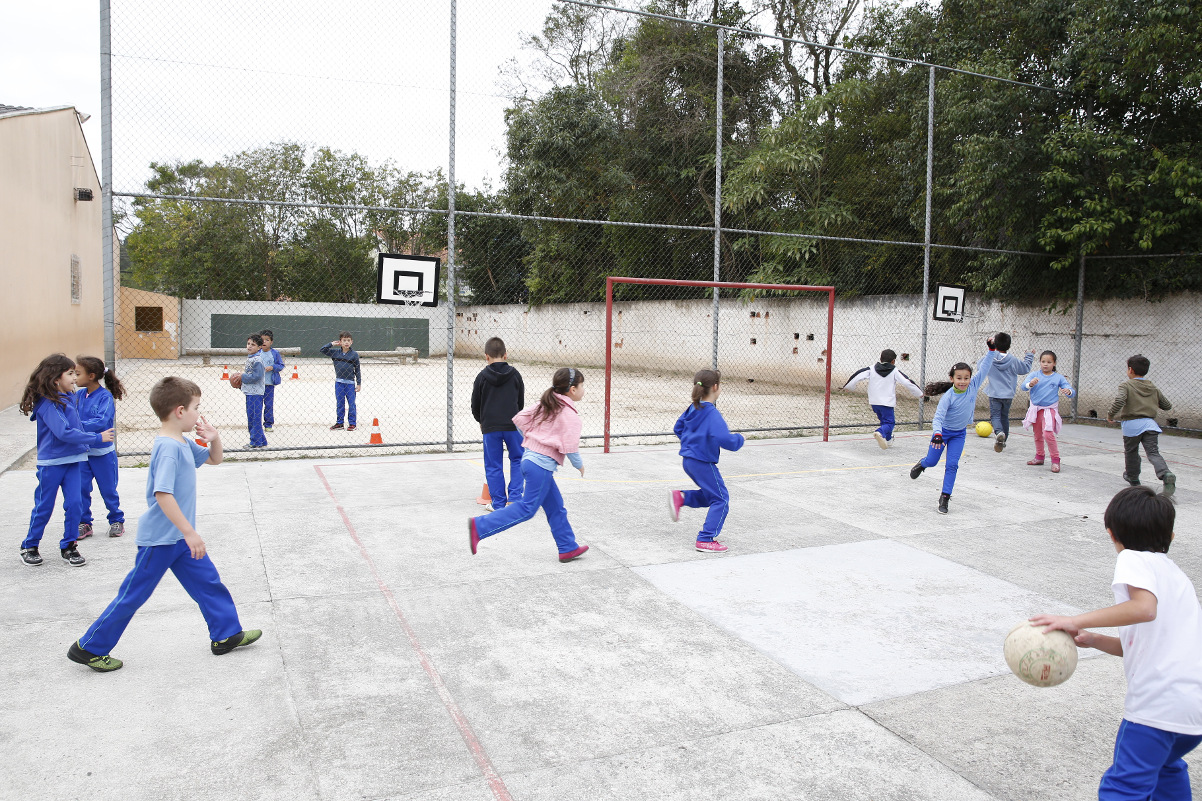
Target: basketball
236, 381
984, 429
1039, 659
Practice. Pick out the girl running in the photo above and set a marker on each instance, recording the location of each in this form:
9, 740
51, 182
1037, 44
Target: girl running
953, 415
551, 429
97, 413
1043, 415
50, 401
703, 434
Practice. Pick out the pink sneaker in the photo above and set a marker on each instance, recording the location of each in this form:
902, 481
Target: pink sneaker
85, 531
675, 501
570, 555
1038, 460
710, 547
473, 539
1056, 466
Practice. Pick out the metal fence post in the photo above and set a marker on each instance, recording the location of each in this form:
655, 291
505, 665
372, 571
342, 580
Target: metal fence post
926, 242
451, 252
718, 194
1078, 336
106, 183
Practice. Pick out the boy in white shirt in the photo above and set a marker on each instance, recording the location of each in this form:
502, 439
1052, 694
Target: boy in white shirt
883, 380
1160, 640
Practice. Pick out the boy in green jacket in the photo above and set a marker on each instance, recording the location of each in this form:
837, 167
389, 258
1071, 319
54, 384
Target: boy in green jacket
1135, 407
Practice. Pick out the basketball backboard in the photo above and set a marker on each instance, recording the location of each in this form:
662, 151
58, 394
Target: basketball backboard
949, 303
407, 280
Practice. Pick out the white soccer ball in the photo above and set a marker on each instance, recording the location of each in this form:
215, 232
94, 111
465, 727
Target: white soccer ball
1043, 660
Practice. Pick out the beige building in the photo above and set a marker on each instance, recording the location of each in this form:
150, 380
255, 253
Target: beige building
50, 244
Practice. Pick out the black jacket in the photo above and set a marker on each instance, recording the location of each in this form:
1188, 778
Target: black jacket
497, 396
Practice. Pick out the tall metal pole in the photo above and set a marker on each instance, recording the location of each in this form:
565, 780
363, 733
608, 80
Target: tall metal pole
106, 183
926, 242
717, 195
1079, 333
451, 253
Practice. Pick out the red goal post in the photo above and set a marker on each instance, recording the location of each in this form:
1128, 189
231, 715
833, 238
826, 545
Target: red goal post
716, 285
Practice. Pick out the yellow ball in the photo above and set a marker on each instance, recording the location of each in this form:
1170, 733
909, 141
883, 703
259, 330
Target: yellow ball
984, 429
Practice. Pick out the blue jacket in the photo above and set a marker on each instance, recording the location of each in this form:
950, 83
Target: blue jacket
346, 365
61, 438
252, 376
277, 367
1047, 391
703, 433
97, 412
1004, 372
955, 411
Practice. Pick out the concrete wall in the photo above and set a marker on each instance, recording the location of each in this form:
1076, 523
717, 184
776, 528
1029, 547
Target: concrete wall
43, 158
134, 344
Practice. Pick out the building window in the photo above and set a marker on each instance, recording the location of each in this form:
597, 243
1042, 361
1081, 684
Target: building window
148, 318
76, 282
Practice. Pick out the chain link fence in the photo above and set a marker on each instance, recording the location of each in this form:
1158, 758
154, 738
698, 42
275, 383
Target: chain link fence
258, 162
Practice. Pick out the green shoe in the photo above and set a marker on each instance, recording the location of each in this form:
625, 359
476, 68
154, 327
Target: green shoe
100, 664
237, 641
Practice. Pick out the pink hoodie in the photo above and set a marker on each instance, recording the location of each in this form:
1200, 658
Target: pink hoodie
555, 436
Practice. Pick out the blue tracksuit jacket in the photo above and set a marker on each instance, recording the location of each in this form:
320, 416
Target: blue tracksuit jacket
703, 434
61, 436
97, 412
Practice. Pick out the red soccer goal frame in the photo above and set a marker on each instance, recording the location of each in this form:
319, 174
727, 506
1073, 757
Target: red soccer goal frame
609, 333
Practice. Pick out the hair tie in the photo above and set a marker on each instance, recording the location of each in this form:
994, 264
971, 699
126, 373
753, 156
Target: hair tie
700, 384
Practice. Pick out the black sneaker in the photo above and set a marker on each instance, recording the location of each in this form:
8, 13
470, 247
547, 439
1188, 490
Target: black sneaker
31, 557
72, 556
237, 641
916, 470
943, 499
85, 531
336, 427
1132, 481
100, 664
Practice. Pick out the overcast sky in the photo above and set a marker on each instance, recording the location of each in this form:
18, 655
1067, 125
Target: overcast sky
213, 77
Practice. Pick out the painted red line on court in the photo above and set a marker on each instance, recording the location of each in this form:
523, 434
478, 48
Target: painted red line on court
495, 783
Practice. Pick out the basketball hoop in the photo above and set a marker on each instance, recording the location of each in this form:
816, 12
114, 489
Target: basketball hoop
412, 298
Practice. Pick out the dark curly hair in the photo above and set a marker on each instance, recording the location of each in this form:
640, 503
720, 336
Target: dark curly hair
42, 382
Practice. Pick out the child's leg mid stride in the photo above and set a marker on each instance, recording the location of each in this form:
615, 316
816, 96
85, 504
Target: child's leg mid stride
1148, 764
884, 432
712, 494
953, 443
540, 492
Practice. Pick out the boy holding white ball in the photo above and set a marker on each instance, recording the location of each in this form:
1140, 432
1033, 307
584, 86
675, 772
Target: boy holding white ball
1160, 640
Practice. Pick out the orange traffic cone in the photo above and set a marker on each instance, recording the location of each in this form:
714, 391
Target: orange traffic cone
295, 375
485, 497
225, 372
376, 437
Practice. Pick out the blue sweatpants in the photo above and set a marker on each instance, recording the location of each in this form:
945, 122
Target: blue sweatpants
104, 470
1148, 765
712, 494
999, 415
953, 443
885, 415
254, 420
540, 492
344, 394
269, 405
50, 478
495, 443
198, 577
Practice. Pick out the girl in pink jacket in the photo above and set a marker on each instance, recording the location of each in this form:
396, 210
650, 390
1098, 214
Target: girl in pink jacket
551, 429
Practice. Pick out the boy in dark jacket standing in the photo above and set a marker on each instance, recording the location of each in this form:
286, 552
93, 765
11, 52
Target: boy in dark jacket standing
1135, 408
348, 379
497, 396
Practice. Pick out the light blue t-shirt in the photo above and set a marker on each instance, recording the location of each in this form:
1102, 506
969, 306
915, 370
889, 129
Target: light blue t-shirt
549, 464
172, 469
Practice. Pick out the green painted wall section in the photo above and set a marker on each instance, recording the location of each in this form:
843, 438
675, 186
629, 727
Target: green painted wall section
310, 333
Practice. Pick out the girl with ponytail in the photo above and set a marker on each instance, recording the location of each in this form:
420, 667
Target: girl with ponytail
98, 413
551, 429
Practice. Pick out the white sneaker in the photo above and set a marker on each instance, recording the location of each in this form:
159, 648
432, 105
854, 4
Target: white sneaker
488, 508
884, 443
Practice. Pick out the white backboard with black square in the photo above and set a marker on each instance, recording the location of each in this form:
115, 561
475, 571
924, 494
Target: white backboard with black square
407, 280
949, 303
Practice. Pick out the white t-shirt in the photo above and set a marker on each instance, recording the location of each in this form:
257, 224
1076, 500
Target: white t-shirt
1163, 657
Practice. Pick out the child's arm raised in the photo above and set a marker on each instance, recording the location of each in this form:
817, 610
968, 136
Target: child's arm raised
858, 377
171, 509
1141, 608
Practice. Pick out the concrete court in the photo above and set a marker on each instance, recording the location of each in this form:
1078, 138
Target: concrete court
847, 647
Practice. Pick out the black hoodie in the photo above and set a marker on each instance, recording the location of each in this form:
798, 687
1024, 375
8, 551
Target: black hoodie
497, 396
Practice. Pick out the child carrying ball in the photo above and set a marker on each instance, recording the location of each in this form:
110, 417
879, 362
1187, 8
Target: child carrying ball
953, 415
1043, 415
703, 434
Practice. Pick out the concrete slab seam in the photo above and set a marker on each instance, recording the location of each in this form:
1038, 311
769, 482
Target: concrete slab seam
495, 783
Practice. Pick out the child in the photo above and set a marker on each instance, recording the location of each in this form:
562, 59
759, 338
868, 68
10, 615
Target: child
50, 401
273, 379
883, 380
1160, 641
346, 375
1136, 406
952, 416
1043, 415
97, 413
497, 396
1001, 375
167, 537
703, 433
552, 434
252, 387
